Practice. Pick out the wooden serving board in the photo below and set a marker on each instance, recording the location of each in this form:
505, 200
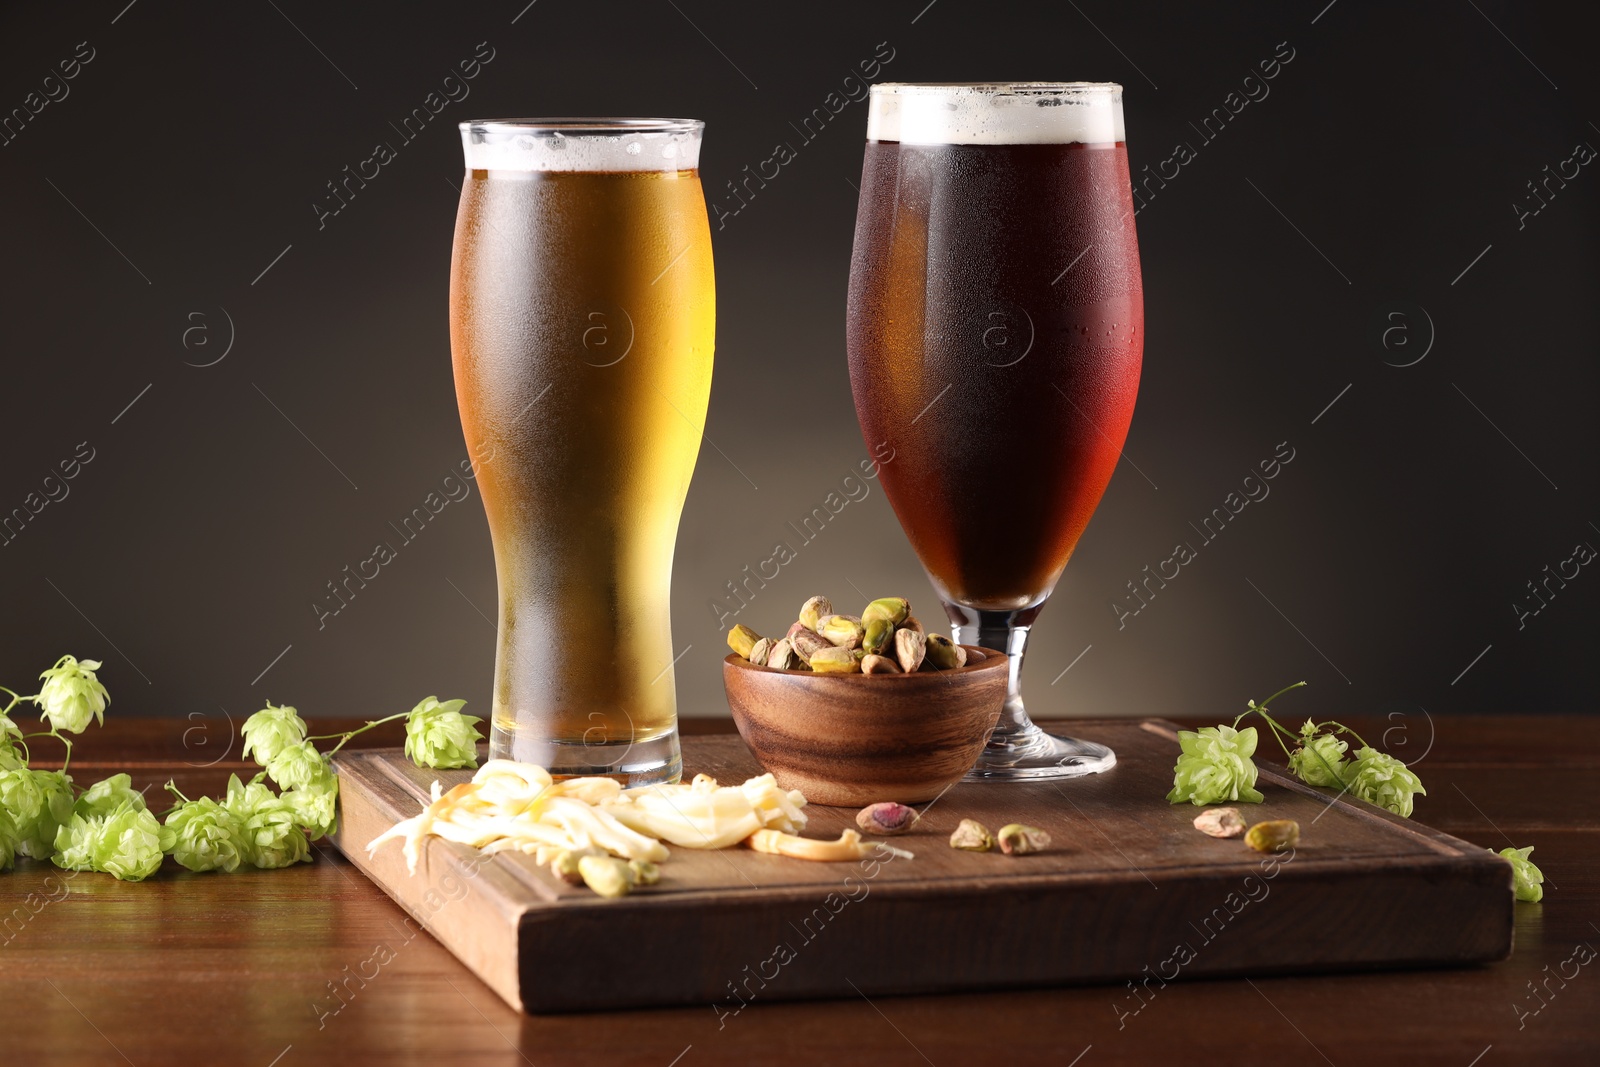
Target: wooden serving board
1129, 890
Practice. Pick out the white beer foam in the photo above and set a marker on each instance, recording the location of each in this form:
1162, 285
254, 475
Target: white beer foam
579, 145
996, 113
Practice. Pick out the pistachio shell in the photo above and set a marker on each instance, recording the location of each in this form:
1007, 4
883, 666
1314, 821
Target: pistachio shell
886, 819
783, 656
814, 610
909, 649
742, 639
972, 836
1017, 839
1220, 822
807, 644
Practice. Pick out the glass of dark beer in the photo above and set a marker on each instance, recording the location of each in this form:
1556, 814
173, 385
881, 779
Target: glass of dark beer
582, 314
995, 332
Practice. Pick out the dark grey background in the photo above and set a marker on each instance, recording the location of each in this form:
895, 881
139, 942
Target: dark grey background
172, 191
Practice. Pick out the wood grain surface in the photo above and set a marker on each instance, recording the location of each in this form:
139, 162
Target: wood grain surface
316, 965
856, 739
1128, 890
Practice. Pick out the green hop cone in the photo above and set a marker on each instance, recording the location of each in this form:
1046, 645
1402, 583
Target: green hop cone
1319, 760
1215, 765
315, 806
271, 730
439, 736
8, 840
72, 695
297, 765
10, 759
1525, 877
204, 835
271, 837
1379, 778
74, 843
38, 803
107, 795
125, 844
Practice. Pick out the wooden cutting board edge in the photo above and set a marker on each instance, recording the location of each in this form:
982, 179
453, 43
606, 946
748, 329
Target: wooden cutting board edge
503, 961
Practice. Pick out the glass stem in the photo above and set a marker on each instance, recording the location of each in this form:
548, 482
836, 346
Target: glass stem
1006, 631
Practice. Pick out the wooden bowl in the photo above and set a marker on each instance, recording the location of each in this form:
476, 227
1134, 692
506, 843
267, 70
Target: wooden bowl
856, 739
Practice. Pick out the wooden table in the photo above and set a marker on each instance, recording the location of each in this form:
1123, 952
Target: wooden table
242, 969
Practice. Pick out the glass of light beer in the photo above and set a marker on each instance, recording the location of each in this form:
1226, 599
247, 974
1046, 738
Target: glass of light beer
582, 315
995, 333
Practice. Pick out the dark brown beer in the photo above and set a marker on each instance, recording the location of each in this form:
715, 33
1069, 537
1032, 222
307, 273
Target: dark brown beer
995, 331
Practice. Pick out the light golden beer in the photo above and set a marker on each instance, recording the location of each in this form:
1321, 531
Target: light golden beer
582, 315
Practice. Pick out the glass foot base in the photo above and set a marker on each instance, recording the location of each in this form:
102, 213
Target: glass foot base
633, 763
1029, 752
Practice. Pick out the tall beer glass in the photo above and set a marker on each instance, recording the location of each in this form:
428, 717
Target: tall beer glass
582, 313
996, 325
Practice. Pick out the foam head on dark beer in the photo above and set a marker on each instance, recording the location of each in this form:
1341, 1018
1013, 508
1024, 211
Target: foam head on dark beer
996, 113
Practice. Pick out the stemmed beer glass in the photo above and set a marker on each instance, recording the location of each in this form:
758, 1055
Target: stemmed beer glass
996, 326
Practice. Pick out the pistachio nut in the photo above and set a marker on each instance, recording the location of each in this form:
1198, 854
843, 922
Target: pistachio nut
565, 864
845, 631
742, 639
1019, 840
945, 654
783, 656
644, 872
892, 609
606, 875
1220, 822
909, 649
912, 623
878, 634
761, 650
807, 644
871, 664
972, 836
814, 610
1273, 836
886, 819
835, 660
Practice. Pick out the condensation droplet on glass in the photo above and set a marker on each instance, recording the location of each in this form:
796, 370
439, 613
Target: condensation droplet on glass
633, 148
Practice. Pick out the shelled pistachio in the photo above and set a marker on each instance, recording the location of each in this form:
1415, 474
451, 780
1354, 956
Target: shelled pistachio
972, 836
884, 639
